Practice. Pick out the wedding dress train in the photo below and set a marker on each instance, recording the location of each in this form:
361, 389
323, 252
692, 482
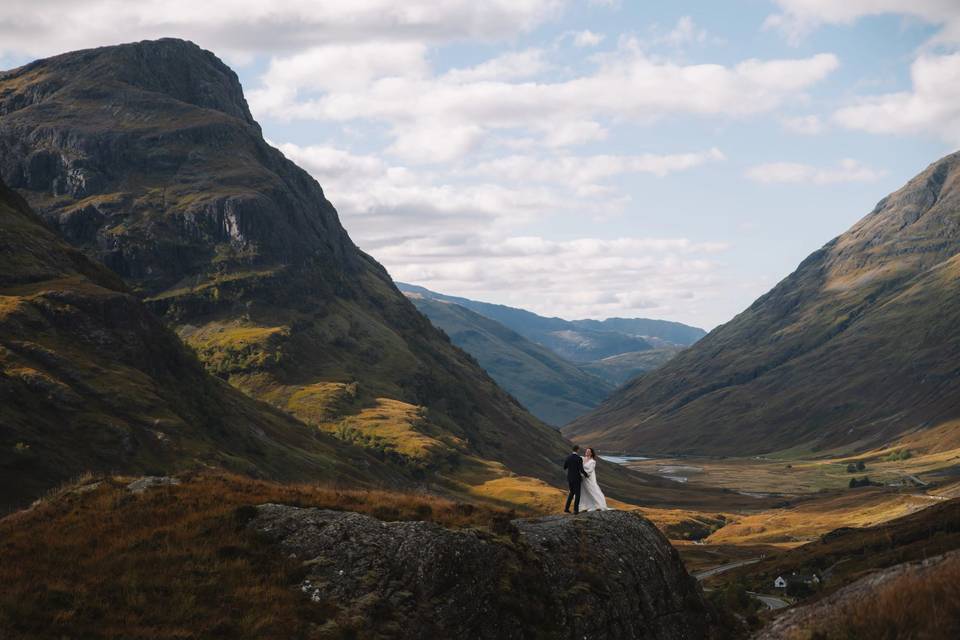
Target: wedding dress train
591, 498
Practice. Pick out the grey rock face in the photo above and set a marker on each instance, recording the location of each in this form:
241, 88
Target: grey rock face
597, 575
147, 482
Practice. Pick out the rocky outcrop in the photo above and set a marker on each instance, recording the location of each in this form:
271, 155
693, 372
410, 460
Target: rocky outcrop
597, 575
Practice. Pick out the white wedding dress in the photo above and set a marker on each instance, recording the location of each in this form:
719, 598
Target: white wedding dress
591, 498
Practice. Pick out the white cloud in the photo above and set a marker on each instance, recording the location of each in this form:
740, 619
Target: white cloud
574, 132
800, 17
582, 277
806, 125
848, 170
461, 233
683, 33
508, 66
932, 107
645, 90
244, 27
428, 142
587, 38
587, 170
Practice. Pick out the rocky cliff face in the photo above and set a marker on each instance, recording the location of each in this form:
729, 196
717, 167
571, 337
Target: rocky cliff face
90, 380
598, 575
858, 346
145, 156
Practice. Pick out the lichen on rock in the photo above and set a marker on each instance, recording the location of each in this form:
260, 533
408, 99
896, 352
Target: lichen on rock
597, 575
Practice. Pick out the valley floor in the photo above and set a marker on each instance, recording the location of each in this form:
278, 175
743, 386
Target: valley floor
800, 496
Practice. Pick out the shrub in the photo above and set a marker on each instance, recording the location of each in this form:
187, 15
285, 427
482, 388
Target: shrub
897, 456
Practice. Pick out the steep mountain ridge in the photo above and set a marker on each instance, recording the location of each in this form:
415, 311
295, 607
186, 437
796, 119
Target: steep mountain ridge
854, 348
169, 183
92, 381
551, 388
145, 157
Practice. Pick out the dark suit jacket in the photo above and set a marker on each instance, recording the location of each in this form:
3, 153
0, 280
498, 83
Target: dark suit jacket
574, 466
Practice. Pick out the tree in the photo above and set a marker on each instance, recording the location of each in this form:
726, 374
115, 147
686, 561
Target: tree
861, 466
851, 468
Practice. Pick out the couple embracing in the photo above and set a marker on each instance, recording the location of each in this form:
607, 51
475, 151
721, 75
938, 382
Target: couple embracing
582, 478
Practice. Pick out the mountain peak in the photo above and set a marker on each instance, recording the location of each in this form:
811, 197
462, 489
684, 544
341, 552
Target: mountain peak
853, 349
172, 67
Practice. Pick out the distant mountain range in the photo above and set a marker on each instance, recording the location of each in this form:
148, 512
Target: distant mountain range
856, 348
578, 340
541, 360
551, 387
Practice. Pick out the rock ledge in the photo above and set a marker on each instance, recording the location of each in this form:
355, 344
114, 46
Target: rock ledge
598, 575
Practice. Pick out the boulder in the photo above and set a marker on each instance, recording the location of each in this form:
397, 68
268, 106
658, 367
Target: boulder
597, 575
147, 482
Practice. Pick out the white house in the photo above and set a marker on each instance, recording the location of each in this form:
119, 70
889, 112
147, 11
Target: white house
796, 578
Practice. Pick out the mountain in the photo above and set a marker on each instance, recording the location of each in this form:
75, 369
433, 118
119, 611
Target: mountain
145, 156
92, 381
576, 340
550, 387
617, 370
858, 346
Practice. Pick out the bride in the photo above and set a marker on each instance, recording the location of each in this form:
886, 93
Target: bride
592, 498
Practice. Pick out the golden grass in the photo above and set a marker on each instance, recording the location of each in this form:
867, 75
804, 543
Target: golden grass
812, 518
801, 476
917, 605
322, 401
173, 562
533, 494
403, 427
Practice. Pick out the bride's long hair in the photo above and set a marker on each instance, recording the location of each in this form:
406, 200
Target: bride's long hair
593, 454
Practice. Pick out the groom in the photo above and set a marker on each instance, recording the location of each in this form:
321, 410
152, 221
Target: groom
575, 475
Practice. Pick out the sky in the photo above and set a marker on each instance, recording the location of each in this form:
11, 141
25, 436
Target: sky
595, 158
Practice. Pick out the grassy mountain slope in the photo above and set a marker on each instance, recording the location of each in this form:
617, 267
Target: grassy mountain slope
576, 340
868, 590
146, 157
844, 555
553, 389
854, 349
91, 380
618, 369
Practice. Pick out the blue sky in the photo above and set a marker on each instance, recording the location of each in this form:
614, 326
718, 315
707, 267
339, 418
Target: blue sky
580, 159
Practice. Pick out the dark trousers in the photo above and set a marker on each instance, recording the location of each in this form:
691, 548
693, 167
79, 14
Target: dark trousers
573, 495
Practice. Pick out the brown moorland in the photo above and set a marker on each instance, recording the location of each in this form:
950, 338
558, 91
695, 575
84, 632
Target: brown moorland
94, 560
